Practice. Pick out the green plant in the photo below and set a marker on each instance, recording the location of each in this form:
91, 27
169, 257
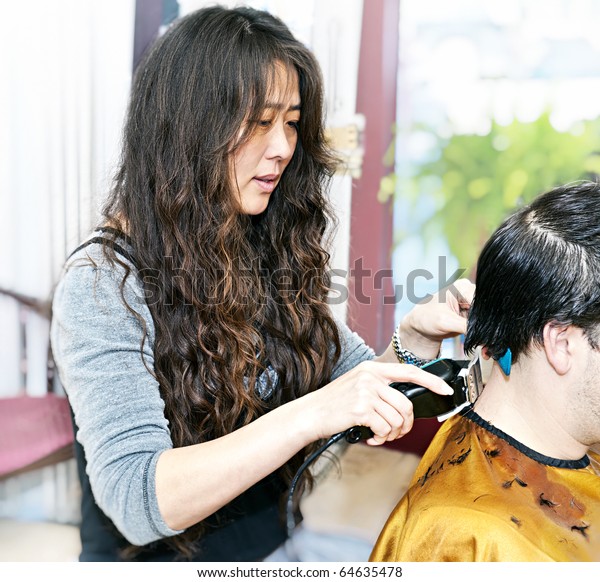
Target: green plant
475, 181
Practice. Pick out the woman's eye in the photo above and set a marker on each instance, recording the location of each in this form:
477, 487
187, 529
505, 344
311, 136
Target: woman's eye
294, 124
264, 123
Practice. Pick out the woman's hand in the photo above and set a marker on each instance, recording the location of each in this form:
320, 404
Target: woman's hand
438, 317
364, 397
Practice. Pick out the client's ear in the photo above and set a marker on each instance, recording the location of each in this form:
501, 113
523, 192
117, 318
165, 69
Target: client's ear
560, 343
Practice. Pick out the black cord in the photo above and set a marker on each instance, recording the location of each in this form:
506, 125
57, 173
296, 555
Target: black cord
291, 521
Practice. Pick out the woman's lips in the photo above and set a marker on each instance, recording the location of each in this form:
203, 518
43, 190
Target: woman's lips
266, 183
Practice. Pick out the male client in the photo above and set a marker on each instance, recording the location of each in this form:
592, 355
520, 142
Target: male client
514, 477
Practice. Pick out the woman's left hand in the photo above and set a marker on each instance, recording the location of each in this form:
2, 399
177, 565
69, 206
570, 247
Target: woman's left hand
440, 316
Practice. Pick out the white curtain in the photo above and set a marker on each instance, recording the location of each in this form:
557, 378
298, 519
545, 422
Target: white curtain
65, 73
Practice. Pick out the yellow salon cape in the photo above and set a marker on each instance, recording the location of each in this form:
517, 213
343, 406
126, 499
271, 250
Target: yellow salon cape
480, 495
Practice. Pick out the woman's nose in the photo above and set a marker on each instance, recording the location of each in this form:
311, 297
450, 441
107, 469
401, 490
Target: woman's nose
282, 142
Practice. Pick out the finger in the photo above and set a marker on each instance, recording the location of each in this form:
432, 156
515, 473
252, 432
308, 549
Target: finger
396, 419
392, 416
466, 289
380, 428
463, 292
394, 402
375, 441
400, 414
461, 299
452, 323
393, 434
433, 383
409, 373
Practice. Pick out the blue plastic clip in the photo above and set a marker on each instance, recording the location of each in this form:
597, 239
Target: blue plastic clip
505, 361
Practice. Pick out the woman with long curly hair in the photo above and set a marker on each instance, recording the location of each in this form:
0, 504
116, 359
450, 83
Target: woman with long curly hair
191, 330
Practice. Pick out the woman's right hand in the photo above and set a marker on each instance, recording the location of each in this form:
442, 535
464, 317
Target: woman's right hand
364, 397
193, 482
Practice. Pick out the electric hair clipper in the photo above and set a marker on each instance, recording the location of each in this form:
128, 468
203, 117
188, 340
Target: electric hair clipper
463, 376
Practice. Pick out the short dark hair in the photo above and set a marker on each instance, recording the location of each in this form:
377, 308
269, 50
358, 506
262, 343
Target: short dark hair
542, 265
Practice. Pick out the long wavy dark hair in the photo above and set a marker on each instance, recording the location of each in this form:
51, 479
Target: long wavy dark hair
231, 296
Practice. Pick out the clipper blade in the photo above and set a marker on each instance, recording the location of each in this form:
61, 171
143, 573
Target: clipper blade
474, 377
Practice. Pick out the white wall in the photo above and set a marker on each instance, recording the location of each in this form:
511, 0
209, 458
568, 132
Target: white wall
67, 83
65, 71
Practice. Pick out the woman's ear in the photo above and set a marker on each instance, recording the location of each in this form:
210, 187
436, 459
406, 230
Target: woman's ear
560, 341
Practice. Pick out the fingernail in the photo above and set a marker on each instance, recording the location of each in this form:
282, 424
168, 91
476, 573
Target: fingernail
448, 390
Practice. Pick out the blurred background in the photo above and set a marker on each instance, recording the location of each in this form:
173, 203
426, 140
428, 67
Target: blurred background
448, 115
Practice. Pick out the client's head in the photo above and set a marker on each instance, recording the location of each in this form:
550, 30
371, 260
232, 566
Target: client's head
542, 266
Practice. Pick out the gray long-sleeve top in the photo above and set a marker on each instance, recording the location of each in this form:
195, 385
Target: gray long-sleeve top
116, 401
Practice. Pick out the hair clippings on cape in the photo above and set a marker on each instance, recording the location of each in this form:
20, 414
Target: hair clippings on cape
505, 361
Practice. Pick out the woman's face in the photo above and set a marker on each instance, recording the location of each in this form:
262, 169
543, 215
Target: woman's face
260, 162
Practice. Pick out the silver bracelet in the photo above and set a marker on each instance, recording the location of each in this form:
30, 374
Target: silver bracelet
406, 356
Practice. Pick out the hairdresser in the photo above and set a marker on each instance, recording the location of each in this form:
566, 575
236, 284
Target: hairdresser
191, 330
